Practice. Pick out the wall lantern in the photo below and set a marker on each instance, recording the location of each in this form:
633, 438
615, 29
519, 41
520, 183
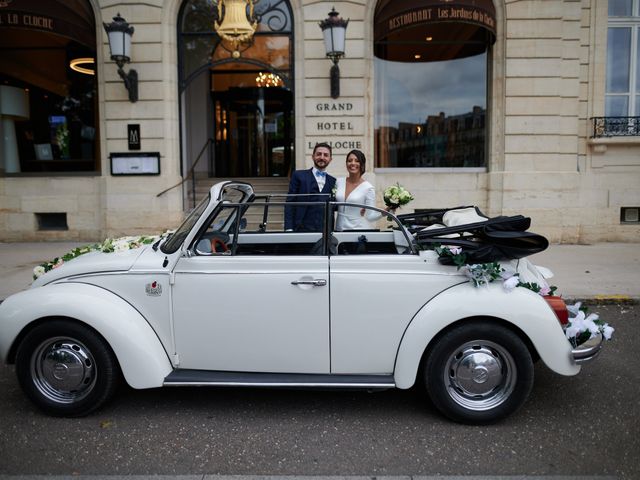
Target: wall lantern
120, 32
235, 26
334, 30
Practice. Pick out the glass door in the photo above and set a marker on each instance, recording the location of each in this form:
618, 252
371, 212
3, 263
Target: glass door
253, 134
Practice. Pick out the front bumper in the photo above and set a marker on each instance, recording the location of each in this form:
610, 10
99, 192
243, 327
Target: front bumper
589, 350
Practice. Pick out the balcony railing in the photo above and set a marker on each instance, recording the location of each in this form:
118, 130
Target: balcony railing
616, 127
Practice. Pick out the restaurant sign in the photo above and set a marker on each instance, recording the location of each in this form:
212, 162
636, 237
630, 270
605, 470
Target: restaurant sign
26, 20
49, 16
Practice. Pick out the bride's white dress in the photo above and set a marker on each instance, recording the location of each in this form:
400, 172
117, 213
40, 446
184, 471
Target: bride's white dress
349, 218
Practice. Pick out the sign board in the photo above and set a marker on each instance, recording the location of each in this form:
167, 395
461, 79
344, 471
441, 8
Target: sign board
139, 163
133, 136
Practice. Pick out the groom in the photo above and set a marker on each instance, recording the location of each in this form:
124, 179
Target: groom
310, 218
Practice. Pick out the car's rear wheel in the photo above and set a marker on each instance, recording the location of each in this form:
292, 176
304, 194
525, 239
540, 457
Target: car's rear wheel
66, 369
478, 372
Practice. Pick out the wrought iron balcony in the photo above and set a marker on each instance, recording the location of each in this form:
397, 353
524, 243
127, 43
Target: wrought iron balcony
616, 127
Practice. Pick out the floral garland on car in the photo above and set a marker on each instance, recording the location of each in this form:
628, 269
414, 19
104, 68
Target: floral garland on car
109, 245
581, 327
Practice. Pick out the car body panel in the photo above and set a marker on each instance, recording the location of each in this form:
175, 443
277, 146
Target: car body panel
143, 361
521, 307
93, 262
148, 292
373, 299
244, 314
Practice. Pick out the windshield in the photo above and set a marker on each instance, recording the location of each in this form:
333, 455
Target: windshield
176, 239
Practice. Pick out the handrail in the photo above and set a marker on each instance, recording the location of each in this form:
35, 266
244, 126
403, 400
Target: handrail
190, 173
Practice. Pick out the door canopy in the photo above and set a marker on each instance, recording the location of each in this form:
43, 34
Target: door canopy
433, 30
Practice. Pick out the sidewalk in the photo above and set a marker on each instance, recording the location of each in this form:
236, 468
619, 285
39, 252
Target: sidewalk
603, 272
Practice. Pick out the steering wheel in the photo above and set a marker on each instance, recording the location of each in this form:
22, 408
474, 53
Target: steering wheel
218, 245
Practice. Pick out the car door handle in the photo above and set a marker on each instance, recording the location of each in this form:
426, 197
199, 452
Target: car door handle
316, 283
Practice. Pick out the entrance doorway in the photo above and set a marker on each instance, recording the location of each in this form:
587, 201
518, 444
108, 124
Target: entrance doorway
253, 134
236, 106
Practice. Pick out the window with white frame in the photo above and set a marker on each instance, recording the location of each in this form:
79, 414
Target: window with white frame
623, 67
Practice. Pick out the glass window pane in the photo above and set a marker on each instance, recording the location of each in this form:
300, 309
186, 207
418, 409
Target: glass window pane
620, 8
197, 16
637, 112
431, 114
618, 59
637, 89
617, 106
272, 50
196, 52
274, 16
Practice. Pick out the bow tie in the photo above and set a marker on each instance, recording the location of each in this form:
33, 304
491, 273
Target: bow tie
321, 174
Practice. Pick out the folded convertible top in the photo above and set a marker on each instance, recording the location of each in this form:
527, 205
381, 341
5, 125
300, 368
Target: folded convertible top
482, 239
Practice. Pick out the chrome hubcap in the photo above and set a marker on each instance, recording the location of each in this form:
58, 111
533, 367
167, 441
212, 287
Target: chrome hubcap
480, 375
63, 370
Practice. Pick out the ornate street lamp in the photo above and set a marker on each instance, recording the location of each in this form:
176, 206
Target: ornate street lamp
119, 33
334, 30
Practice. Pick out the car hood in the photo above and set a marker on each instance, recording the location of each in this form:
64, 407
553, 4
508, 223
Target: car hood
93, 262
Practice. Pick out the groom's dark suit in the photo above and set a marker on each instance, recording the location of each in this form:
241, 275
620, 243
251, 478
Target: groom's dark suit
306, 218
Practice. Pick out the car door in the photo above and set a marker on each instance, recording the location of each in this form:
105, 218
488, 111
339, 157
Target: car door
259, 305
378, 284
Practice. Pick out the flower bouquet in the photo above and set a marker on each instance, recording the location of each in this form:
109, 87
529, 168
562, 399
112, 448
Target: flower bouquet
396, 196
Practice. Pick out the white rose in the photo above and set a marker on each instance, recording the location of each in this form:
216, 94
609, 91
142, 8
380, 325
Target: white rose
38, 271
510, 283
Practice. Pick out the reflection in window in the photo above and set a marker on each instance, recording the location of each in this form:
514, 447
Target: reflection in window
431, 86
623, 68
431, 114
52, 76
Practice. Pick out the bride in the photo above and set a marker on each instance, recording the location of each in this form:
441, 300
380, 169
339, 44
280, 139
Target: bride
355, 189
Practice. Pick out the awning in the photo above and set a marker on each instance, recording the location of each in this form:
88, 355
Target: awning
433, 30
72, 19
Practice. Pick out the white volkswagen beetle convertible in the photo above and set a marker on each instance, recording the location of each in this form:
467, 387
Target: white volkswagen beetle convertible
231, 298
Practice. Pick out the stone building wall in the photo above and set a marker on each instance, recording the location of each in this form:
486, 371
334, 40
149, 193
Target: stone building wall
547, 81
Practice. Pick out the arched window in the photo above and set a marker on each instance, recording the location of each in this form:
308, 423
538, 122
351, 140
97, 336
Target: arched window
240, 103
48, 99
431, 82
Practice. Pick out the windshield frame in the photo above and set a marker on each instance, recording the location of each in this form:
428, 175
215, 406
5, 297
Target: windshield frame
177, 238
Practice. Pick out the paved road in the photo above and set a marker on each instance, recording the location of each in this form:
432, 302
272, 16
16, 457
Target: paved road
584, 425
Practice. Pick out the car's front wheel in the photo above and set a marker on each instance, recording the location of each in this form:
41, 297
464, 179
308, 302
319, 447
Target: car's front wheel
478, 372
66, 369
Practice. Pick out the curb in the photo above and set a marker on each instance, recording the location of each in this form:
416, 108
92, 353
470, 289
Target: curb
604, 300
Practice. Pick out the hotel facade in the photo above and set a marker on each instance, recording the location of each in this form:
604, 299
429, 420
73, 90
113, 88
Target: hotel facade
525, 107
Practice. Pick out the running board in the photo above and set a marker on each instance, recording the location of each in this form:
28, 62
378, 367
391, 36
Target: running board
194, 378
